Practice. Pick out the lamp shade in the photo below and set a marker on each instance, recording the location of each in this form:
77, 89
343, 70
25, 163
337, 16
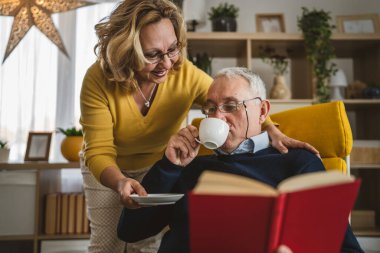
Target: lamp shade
337, 81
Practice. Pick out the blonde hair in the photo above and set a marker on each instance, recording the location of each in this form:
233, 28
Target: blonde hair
119, 49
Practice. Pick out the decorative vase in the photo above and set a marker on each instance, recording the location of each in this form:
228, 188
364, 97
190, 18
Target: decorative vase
4, 155
70, 147
279, 89
224, 24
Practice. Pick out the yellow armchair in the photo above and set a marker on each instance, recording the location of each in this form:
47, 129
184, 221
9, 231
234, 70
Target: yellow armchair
325, 126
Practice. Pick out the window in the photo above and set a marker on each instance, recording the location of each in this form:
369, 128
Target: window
29, 93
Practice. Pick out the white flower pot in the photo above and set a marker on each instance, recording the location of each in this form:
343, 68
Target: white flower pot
4, 155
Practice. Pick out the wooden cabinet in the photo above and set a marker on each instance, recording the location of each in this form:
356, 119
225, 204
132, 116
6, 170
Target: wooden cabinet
48, 180
362, 51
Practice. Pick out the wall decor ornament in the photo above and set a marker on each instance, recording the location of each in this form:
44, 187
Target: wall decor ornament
28, 13
279, 62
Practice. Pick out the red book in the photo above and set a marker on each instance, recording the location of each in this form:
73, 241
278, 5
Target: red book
308, 213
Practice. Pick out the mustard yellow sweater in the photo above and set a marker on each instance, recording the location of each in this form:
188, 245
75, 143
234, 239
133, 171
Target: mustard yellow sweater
116, 133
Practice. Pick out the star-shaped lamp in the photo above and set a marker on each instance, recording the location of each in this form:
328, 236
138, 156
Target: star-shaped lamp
28, 13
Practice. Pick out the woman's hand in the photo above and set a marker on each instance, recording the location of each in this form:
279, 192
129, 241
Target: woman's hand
126, 187
112, 178
281, 142
182, 147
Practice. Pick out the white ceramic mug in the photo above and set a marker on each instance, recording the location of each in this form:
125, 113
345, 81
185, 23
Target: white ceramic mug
213, 132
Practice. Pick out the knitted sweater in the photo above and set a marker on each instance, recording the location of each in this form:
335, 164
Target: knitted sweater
117, 134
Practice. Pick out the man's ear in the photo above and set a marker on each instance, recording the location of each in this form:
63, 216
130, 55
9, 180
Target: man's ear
264, 111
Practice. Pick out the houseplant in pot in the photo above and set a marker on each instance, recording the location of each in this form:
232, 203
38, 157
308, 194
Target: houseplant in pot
223, 17
4, 151
279, 63
317, 30
72, 143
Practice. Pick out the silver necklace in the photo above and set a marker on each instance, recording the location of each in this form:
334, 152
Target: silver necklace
147, 101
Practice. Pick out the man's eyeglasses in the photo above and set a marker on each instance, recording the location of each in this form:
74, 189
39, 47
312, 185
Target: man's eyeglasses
228, 107
156, 57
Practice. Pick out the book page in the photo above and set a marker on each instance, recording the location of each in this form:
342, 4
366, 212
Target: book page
212, 182
313, 180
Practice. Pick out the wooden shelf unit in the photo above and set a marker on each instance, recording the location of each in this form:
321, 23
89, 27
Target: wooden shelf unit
47, 181
364, 49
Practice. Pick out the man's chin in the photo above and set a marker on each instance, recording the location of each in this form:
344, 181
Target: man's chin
226, 148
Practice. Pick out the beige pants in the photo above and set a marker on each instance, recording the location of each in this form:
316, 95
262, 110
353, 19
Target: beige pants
104, 210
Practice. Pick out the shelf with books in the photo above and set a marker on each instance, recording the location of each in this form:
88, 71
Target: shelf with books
47, 180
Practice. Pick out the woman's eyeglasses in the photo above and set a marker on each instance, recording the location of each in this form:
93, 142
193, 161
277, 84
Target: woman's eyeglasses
156, 57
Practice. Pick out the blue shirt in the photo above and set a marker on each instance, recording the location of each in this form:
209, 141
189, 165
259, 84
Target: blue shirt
250, 145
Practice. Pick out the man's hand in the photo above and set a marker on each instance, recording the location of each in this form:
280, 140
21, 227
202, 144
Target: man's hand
126, 187
182, 147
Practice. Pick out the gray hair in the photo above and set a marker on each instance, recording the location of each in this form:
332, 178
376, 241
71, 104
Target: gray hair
256, 84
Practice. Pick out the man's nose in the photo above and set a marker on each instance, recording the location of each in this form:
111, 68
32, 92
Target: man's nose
220, 115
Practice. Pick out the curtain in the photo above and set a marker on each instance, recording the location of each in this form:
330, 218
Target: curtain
39, 86
27, 87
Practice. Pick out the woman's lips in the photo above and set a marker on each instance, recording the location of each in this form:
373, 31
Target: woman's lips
159, 73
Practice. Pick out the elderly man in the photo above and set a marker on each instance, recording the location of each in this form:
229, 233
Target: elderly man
236, 96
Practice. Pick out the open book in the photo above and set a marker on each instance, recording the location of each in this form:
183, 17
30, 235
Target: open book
308, 213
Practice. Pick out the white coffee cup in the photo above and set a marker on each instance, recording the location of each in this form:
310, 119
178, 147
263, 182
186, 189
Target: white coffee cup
213, 132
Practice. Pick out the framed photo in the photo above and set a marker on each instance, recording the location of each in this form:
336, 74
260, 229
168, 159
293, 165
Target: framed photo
367, 23
270, 23
38, 147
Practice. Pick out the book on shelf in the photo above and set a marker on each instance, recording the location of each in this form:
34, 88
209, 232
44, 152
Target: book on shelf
64, 212
79, 204
71, 213
59, 213
308, 213
51, 202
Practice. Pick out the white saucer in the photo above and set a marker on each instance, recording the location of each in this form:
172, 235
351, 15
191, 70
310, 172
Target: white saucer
157, 199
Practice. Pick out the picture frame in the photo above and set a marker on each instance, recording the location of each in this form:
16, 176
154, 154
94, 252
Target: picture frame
270, 23
38, 146
365, 23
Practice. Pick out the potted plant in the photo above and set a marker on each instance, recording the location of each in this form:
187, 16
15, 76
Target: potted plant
72, 143
223, 17
202, 61
280, 64
317, 30
4, 151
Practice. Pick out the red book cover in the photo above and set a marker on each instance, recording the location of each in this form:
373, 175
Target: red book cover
309, 220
